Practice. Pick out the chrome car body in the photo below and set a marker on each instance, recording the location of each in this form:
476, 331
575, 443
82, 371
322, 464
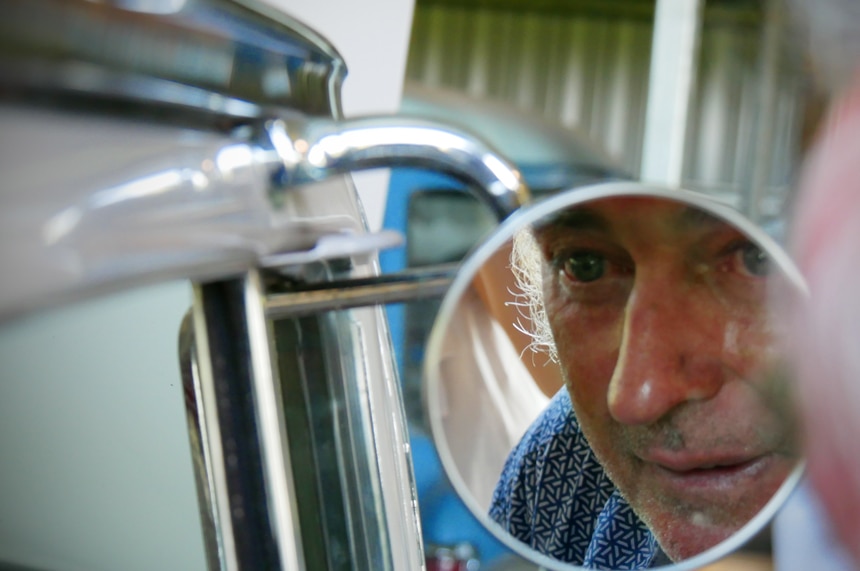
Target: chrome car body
202, 142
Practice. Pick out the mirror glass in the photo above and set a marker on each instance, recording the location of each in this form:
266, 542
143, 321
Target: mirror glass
602, 382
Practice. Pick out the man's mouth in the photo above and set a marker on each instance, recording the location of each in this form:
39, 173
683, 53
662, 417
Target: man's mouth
695, 499
694, 463
707, 472
716, 468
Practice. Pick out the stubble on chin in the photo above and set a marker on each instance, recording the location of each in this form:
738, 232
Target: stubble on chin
683, 527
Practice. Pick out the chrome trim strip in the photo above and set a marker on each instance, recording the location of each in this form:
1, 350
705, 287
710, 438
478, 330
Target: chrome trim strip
277, 473
391, 288
212, 442
234, 365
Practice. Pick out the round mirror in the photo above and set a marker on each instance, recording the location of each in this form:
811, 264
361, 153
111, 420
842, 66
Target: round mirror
602, 382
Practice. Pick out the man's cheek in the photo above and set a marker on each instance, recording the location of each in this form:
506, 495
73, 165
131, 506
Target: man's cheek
588, 353
749, 349
585, 344
585, 334
573, 320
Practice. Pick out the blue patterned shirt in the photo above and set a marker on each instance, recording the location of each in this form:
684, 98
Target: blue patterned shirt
554, 496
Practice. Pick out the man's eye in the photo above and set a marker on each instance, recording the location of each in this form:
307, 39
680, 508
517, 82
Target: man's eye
585, 266
754, 260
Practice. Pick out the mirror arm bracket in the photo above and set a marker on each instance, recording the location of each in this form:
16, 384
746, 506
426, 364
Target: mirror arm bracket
310, 150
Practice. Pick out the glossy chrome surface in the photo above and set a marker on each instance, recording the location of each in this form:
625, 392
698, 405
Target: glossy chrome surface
112, 201
316, 149
244, 50
209, 196
246, 476
391, 288
277, 470
207, 454
356, 502
218, 111
152, 140
237, 499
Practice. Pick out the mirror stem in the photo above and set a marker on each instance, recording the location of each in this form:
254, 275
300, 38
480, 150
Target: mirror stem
312, 150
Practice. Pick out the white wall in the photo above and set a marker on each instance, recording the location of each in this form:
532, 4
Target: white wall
96, 472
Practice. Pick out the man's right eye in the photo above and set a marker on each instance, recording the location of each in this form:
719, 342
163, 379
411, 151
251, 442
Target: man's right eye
755, 261
584, 266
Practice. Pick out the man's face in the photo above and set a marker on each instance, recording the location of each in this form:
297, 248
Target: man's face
658, 314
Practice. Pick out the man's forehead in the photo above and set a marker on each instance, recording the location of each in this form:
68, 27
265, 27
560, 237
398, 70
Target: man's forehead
607, 216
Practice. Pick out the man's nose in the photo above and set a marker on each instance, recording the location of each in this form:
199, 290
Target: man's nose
670, 353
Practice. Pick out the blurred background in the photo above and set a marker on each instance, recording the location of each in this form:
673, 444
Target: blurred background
577, 92
586, 65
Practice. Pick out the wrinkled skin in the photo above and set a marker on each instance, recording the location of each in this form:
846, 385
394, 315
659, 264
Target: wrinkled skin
658, 315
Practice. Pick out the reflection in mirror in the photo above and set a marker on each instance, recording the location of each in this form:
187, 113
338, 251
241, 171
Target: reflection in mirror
602, 381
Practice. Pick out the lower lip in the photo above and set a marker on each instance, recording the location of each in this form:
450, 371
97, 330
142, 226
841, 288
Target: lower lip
714, 479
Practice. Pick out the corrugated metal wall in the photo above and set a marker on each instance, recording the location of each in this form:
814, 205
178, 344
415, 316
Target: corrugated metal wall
589, 68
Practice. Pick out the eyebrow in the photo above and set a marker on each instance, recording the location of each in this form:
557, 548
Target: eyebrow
694, 217
585, 218
582, 218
